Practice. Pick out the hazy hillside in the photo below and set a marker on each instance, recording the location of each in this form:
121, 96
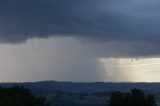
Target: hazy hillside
49, 86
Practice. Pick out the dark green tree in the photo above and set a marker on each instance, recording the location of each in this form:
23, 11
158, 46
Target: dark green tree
127, 100
150, 100
118, 97
20, 96
134, 98
138, 97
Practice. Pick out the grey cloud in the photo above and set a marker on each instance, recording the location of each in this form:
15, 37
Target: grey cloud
93, 19
125, 22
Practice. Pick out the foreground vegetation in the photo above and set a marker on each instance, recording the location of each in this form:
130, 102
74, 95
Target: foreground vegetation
19, 96
135, 97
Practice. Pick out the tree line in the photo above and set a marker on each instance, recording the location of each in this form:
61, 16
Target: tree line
20, 96
135, 97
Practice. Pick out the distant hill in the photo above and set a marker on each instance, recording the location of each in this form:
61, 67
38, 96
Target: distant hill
71, 87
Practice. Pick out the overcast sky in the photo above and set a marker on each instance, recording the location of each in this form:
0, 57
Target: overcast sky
80, 40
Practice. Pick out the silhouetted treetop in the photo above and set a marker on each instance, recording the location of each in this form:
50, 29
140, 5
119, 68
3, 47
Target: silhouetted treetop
135, 97
20, 96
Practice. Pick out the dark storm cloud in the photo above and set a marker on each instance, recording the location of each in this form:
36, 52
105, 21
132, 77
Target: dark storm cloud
113, 28
119, 21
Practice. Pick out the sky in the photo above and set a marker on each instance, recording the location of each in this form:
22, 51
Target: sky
80, 40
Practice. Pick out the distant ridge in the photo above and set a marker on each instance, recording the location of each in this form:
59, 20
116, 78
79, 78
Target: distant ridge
85, 87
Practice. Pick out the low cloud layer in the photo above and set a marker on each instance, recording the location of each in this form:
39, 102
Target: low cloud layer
133, 23
112, 20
